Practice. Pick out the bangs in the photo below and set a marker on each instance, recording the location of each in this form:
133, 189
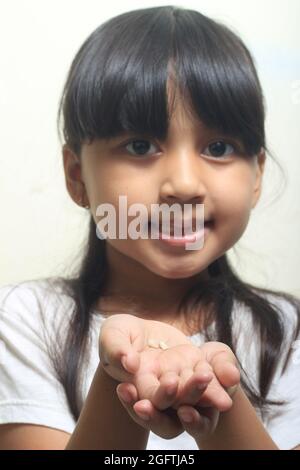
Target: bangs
118, 81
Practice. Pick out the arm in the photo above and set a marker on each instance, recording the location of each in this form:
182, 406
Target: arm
237, 429
103, 422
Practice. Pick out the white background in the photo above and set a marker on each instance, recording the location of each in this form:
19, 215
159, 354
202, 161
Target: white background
42, 230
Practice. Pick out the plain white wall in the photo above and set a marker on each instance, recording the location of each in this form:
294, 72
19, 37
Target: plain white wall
41, 228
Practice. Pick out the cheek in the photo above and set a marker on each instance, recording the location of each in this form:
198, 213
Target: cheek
233, 202
108, 182
112, 184
104, 192
106, 189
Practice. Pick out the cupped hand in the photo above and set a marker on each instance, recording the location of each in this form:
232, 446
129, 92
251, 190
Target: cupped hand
123, 337
202, 418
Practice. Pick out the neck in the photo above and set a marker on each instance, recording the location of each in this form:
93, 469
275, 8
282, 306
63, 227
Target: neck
131, 288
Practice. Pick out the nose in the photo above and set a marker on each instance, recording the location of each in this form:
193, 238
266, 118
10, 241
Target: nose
182, 177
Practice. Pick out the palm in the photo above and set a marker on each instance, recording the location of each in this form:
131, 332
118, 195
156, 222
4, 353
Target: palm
156, 364
123, 333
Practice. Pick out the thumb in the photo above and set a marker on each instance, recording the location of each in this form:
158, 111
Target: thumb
116, 350
130, 361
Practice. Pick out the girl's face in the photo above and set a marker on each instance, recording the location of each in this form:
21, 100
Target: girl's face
184, 169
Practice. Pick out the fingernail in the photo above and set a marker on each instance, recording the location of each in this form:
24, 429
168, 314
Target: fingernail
143, 416
125, 396
202, 386
206, 378
231, 390
123, 361
171, 391
105, 360
186, 417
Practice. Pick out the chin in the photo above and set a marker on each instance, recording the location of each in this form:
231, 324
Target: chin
176, 272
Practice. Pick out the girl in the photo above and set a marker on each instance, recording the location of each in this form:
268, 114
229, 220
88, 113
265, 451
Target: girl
186, 88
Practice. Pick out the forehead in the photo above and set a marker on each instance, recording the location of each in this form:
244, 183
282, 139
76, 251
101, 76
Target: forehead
182, 114
184, 119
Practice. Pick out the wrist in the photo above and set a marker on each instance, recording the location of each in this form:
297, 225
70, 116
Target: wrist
239, 428
209, 440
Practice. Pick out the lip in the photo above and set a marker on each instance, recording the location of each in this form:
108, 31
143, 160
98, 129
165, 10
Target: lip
185, 223
178, 223
181, 241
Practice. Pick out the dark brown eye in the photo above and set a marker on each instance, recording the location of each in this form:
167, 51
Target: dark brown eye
220, 149
140, 147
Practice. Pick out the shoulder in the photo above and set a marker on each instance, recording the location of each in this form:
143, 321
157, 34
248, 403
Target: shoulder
289, 313
287, 307
33, 291
246, 331
33, 305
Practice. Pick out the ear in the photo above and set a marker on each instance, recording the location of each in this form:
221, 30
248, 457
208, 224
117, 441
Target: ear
259, 171
73, 175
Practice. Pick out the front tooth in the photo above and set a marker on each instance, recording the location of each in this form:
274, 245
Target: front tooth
180, 230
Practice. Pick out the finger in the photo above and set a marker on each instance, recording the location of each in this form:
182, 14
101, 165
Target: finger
198, 424
185, 377
127, 392
194, 387
165, 424
215, 396
116, 350
130, 361
166, 393
226, 370
227, 373
148, 385
223, 361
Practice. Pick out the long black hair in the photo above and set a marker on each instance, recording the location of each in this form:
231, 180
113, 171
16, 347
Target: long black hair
117, 82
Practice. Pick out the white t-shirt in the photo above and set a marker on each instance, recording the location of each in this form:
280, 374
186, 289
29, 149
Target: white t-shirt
33, 312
